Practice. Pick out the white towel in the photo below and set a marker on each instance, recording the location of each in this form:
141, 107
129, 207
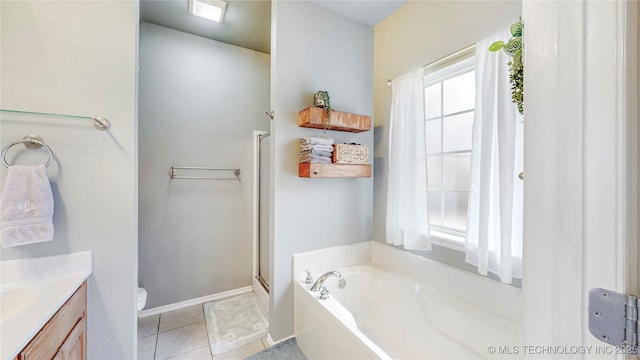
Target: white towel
327, 148
316, 140
26, 207
316, 152
314, 159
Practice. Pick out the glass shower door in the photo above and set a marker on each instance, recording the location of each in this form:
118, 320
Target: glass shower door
263, 208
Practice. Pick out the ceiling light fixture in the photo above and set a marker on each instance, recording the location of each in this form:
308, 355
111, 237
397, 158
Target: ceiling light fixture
208, 9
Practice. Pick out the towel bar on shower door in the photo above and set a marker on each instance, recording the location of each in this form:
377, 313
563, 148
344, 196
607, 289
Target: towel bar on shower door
173, 173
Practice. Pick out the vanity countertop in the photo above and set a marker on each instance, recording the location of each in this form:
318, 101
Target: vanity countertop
31, 292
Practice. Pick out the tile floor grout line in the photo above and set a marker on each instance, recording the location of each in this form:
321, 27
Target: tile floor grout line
181, 326
192, 350
207, 328
179, 354
155, 348
182, 353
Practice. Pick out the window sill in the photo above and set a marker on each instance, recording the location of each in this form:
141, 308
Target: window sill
449, 241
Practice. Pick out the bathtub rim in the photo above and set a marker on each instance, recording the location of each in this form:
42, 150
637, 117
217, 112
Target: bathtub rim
331, 308
500, 299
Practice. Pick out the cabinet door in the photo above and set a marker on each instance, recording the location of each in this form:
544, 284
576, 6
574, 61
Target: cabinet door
47, 343
75, 346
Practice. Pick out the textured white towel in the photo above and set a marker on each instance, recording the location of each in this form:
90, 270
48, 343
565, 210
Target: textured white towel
26, 207
327, 148
305, 158
316, 140
316, 152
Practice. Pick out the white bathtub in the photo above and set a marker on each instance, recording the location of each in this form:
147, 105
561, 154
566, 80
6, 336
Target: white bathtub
383, 314
387, 317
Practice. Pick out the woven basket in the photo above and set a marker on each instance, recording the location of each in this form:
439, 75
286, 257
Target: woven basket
350, 154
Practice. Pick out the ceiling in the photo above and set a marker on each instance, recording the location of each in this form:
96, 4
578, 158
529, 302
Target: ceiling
370, 12
247, 23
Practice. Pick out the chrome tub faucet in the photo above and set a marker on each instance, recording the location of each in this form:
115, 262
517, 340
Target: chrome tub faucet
319, 284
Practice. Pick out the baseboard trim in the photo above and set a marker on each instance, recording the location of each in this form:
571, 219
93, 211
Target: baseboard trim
269, 339
196, 301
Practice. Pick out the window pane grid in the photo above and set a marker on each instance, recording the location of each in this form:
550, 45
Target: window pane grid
456, 93
439, 117
441, 148
448, 230
456, 152
448, 195
452, 189
453, 74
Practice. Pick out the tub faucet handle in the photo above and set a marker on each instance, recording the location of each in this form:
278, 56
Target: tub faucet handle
309, 279
342, 283
324, 293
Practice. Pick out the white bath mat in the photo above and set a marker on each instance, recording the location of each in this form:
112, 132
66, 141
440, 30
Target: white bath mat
234, 322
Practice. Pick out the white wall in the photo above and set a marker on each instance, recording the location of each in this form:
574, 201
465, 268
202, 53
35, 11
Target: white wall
80, 58
200, 101
314, 49
418, 33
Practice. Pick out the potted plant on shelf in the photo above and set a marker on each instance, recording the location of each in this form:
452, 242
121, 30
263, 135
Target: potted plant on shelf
321, 99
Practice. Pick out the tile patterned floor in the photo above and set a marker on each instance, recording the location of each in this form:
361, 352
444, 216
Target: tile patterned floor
182, 335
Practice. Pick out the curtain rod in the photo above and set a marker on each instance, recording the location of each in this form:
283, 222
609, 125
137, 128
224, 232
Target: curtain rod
449, 57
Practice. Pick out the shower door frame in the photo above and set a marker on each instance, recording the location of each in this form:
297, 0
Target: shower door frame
259, 285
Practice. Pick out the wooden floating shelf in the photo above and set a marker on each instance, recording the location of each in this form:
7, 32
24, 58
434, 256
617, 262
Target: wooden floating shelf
313, 117
318, 170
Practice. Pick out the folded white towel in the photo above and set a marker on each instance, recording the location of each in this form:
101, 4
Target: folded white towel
314, 159
26, 207
327, 148
316, 140
316, 152
307, 157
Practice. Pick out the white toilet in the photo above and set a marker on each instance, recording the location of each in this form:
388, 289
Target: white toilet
142, 298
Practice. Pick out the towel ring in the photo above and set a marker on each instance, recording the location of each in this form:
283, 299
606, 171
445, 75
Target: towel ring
30, 142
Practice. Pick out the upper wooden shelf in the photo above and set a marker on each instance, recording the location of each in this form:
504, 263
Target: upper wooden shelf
312, 117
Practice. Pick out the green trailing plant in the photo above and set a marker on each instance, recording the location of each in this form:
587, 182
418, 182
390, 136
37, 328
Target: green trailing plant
321, 99
514, 48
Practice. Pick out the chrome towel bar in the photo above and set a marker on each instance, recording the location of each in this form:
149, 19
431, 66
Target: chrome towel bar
173, 173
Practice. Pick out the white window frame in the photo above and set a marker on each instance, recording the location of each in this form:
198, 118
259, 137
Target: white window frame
453, 65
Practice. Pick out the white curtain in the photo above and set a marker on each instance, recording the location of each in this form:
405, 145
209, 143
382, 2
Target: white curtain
494, 220
407, 218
